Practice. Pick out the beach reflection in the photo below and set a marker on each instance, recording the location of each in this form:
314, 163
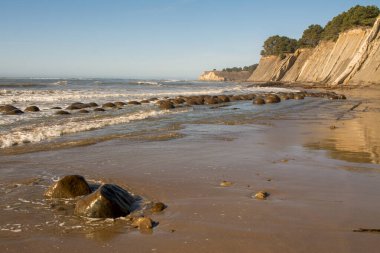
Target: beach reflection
356, 139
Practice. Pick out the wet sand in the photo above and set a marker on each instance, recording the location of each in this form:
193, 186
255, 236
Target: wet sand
319, 164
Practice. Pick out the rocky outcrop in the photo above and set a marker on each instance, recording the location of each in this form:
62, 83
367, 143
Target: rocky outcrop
354, 58
221, 76
108, 201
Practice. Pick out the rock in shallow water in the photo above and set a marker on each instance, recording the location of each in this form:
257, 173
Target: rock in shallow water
69, 187
32, 109
108, 201
142, 223
259, 101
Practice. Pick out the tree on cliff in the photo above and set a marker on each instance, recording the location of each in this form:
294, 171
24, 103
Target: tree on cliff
279, 45
311, 36
358, 16
238, 69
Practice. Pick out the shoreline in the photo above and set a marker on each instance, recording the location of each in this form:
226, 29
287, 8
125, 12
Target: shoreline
317, 195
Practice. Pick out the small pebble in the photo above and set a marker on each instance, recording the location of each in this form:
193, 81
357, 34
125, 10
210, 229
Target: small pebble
261, 195
225, 183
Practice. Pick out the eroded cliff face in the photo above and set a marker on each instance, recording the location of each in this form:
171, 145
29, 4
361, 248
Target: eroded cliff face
219, 76
354, 58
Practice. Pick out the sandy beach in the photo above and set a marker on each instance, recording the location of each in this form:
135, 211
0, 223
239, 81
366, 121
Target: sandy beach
319, 161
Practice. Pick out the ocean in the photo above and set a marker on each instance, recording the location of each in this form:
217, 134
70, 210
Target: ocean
49, 129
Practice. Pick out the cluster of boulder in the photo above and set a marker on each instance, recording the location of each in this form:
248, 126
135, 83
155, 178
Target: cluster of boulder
259, 99
171, 103
12, 110
105, 201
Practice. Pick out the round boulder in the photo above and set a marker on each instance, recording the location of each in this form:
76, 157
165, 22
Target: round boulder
272, 99
165, 105
83, 111
14, 112
299, 96
99, 110
223, 99
92, 104
134, 103
120, 104
10, 110
76, 106
109, 105
259, 101
108, 201
142, 223
69, 187
32, 109
157, 207
62, 112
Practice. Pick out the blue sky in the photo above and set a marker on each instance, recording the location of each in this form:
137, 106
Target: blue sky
147, 38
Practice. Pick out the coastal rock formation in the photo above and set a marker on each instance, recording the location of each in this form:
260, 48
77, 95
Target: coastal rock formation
108, 201
224, 76
354, 58
69, 187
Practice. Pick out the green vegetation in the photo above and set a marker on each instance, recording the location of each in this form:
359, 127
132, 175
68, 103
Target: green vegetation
279, 45
238, 69
358, 16
311, 36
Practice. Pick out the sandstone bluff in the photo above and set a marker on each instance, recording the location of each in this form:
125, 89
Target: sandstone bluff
353, 59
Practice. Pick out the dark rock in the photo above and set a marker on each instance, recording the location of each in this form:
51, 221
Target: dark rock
77, 106
5, 108
14, 112
62, 113
69, 187
134, 103
153, 99
108, 201
92, 104
120, 104
109, 105
32, 109
259, 101
165, 105
99, 110
158, 207
83, 111
56, 108
271, 99
145, 101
